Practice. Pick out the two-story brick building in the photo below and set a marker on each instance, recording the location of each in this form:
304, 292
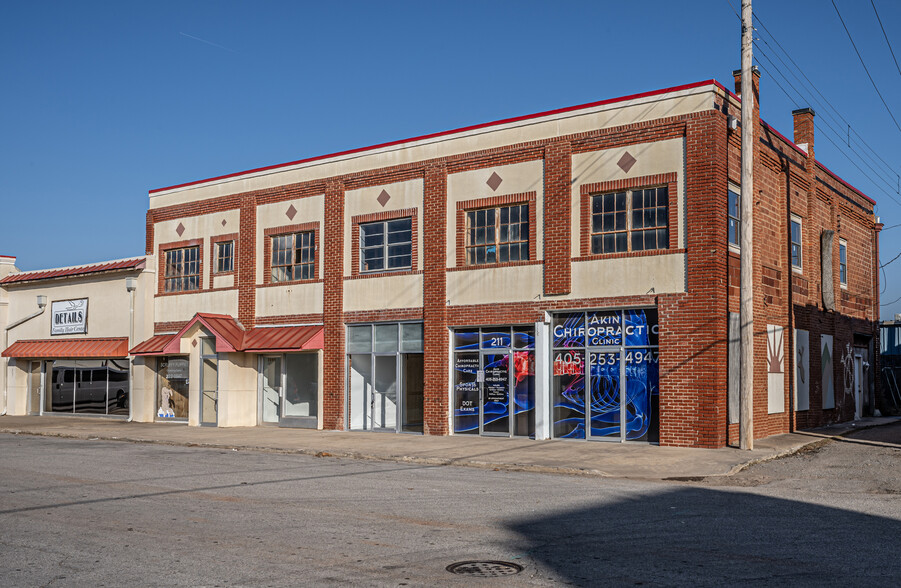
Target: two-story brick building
569, 274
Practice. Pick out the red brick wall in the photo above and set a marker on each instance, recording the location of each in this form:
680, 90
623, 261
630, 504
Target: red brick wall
693, 325
333, 307
557, 214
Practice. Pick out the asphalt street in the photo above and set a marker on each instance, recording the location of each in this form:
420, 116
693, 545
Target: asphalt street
105, 513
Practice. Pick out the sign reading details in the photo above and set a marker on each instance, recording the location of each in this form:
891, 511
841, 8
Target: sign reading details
69, 317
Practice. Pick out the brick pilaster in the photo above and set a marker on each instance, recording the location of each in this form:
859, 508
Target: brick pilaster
246, 261
557, 217
434, 236
333, 307
693, 337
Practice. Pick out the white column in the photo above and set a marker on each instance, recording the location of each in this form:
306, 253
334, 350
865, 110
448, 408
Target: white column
543, 379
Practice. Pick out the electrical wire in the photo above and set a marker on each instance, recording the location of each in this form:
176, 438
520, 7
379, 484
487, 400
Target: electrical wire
889, 110
891, 260
887, 42
817, 91
826, 136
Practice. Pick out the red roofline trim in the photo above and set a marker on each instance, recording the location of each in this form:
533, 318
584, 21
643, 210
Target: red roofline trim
452, 131
844, 183
106, 266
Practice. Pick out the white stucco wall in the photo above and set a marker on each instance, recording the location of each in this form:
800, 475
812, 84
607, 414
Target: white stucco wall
517, 178
400, 291
183, 307
597, 117
289, 299
404, 195
660, 157
307, 210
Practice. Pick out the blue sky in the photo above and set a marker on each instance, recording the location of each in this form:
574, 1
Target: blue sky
102, 101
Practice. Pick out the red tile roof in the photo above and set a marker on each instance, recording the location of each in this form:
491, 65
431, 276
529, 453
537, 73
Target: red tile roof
232, 336
125, 264
65, 348
263, 339
152, 346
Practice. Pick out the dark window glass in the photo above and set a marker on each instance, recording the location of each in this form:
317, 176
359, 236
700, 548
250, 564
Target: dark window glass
182, 269
294, 257
386, 245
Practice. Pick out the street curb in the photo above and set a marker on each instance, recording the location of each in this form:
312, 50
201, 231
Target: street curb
429, 461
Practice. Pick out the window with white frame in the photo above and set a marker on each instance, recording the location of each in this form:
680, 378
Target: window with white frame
843, 263
386, 245
632, 220
796, 243
225, 257
734, 216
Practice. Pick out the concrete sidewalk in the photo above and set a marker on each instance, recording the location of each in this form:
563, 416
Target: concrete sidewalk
634, 461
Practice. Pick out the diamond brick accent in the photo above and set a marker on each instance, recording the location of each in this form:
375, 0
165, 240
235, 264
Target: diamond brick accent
494, 181
194, 343
180, 229
383, 198
224, 222
291, 212
626, 162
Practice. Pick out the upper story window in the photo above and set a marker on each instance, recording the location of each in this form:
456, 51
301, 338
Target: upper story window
182, 272
294, 257
632, 220
843, 262
734, 216
386, 245
225, 257
796, 243
497, 235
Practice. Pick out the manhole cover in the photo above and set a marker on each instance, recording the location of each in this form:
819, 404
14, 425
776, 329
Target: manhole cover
484, 569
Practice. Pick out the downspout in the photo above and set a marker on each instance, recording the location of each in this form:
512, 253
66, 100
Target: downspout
131, 284
42, 304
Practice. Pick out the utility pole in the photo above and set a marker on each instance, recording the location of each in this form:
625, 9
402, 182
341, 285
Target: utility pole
746, 389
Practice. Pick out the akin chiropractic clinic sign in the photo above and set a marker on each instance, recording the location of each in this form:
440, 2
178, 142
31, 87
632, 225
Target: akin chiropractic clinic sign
69, 317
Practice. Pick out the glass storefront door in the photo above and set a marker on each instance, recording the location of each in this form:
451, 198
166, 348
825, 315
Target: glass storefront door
209, 382
34, 387
300, 402
616, 397
494, 381
172, 388
270, 388
385, 377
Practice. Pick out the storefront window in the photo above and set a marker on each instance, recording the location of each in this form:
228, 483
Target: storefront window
606, 375
87, 386
172, 388
494, 381
385, 377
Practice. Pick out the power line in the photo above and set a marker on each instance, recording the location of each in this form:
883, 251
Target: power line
886, 181
858, 138
891, 260
838, 147
887, 42
865, 66
825, 111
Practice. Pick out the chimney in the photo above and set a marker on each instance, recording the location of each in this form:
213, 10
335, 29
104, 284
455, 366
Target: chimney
755, 82
803, 118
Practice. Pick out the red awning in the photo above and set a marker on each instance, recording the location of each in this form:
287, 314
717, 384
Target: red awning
266, 339
231, 336
125, 264
152, 346
66, 348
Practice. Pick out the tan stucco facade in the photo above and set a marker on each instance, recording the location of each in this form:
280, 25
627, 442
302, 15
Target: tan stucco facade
109, 315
